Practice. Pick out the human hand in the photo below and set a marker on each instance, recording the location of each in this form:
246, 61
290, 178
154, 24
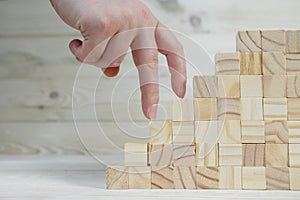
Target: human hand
110, 28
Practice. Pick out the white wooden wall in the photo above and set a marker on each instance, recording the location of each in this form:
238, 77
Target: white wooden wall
37, 71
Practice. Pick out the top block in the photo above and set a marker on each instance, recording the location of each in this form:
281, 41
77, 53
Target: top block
293, 41
273, 41
248, 41
205, 86
227, 63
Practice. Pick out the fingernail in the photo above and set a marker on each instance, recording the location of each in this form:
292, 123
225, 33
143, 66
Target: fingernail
182, 91
152, 111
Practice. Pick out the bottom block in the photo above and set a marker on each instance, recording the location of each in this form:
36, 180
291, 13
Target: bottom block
254, 178
295, 178
230, 178
184, 177
162, 178
116, 177
139, 178
277, 178
207, 177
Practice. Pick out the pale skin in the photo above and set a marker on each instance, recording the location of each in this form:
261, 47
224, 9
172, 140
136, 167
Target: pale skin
102, 22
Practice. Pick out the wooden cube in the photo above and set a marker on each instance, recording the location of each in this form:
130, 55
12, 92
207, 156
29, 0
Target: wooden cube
276, 132
230, 155
251, 109
248, 41
293, 109
294, 155
136, 154
277, 178
205, 86
230, 178
275, 109
160, 155
274, 63
276, 155
139, 178
183, 110
184, 155
162, 177
229, 86
183, 132
116, 177
230, 132
205, 109
294, 132
207, 178
251, 86
207, 155
293, 41
229, 108
253, 131
274, 86
254, 178
293, 86
293, 64
294, 178
227, 63
253, 155
273, 41
251, 63
184, 177
206, 132
160, 132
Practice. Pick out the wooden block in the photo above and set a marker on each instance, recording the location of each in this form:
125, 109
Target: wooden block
207, 177
294, 178
162, 178
253, 131
274, 86
230, 178
116, 177
139, 178
229, 108
273, 41
230, 155
183, 132
294, 132
229, 86
293, 109
184, 155
160, 155
276, 132
207, 155
248, 41
136, 154
275, 109
230, 132
227, 63
251, 109
160, 132
251, 86
184, 177
253, 155
183, 110
293, 41
274, 63
206, 132
254, 178
293, 86
294, 155
205, 109
276, 155
277, 178
293, 64
205, 86
251, 63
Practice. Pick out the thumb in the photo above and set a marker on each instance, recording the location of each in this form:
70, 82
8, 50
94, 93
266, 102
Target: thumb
76, 49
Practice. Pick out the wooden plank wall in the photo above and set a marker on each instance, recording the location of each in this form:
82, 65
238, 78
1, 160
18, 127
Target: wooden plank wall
37, 71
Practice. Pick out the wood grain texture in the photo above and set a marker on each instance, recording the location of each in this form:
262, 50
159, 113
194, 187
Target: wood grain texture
254, 178
294, 155
227, 63
162, 178
253, 131
230, 132
278, 178
230, 155
207, 178
248, 41
274, 63
251, 63
293, 64
251, 86
293, 109
139, 178
253, 155
206, 132
274, 86
205, 109
294, 132
183, 110
207, 155
184, 177
229, 108
276, 132
230, 178
205, 86
183, 132
160, 132
273, 41
136, 154
294, 178
184, 155
275, 109
229, 86
160, 155
293, 86
251, 108
293, 41
276, 155
117, 178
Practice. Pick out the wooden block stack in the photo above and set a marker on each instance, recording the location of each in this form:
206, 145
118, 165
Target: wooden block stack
241, 130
